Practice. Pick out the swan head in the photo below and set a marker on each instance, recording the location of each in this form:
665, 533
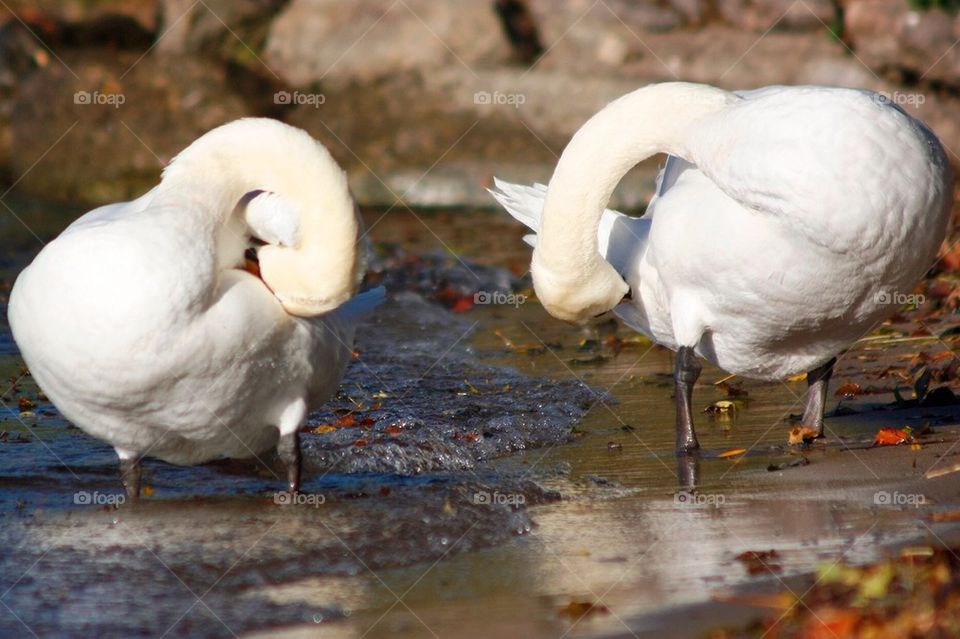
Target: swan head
577, 294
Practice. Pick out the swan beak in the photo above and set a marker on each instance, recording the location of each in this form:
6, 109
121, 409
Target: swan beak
628, 297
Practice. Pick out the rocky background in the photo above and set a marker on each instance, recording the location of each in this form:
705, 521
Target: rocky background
422, 101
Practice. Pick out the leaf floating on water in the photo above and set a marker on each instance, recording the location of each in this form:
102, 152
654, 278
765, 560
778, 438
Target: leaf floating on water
801, 435
579, 609
25, 405
850, 389
147, 491
891, 437
346, 421
321, 429
733, 452
721, 407
799, 377
360, 443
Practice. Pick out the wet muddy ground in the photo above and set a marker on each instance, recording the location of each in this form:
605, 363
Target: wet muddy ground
484, 470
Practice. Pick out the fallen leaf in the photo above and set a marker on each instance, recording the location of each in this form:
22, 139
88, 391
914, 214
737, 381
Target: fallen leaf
25, 404
733, 452
320, 429
462, 305
850, 389
578, 609
891, 437
759, 561
720, 407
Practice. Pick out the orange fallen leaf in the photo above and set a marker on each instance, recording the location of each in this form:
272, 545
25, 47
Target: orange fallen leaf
462, 304
147, 491
733, 452
801, 435
360, 442
848, 390
320, 429
891, 437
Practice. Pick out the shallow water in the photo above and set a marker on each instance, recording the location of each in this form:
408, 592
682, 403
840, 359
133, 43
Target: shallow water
485, 497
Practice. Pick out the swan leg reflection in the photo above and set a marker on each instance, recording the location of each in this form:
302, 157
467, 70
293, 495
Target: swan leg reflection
684, 377
288, 448
816, 401
130, 474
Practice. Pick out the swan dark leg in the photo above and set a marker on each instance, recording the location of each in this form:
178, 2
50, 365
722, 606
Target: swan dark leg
684, 377
288, 448
130, 474
816, 401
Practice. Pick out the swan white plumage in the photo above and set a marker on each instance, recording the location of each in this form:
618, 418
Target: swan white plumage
784, 222
145, 329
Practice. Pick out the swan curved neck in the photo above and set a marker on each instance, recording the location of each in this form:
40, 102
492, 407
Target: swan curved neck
572, 280
218, 171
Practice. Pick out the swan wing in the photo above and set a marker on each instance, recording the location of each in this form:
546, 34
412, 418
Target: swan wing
827, 161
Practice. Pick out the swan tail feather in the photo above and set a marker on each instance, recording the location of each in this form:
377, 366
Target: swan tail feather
524, 203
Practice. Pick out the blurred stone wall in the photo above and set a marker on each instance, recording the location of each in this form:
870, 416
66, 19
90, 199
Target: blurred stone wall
422, 101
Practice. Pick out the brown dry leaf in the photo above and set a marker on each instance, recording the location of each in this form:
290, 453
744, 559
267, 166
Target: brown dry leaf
760, 561
799, 377
801, 435
147, 490
25, 404
578, 609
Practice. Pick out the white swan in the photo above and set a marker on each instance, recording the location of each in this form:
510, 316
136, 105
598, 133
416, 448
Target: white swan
143, 325
784, 222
